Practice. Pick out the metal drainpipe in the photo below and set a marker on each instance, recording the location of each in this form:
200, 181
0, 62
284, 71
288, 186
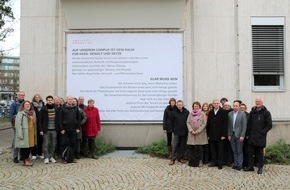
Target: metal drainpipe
237, 49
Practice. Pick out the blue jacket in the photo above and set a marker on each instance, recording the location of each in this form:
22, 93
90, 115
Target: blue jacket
14, 109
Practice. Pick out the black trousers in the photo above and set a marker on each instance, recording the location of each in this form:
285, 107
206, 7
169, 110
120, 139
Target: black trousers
37, 150
169, 138
246, 153
206, 153
25, 152
69, 138
196, 152
258, 151
229, 155
217, 151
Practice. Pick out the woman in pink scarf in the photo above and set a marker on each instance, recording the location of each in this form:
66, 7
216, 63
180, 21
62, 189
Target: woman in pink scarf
196, 123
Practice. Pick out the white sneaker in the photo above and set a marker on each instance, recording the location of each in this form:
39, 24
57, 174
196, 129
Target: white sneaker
200, 163
41, 157
46, 161
52, 160
33, 158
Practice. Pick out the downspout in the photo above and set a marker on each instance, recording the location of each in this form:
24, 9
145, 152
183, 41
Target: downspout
237, 50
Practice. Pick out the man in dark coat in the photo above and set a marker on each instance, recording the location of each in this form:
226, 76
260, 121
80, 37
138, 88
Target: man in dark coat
168, 125
217, 129
69, 124
180, 131
260, 122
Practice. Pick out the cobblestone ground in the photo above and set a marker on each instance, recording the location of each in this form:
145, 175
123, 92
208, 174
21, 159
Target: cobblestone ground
135, 173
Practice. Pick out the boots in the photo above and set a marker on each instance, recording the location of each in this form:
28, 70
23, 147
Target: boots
169, 152
92, 148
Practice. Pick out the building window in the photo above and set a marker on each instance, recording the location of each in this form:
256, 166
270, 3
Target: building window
268, 52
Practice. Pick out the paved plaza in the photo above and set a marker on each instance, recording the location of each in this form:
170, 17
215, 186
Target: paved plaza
134, 172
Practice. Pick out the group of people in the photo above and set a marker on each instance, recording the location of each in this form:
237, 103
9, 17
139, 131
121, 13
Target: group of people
44, 131
218, 134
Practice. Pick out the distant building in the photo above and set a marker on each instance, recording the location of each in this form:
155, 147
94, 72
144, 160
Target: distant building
9, 77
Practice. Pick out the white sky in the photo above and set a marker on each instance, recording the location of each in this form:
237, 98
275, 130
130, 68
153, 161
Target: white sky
12, 41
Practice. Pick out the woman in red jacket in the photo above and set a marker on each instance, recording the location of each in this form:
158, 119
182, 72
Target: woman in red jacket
92, 126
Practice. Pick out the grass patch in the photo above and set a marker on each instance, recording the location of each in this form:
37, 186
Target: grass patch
103, 148
278, 153
158, 149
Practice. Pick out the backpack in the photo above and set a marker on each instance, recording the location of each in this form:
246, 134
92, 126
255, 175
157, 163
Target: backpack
67, 154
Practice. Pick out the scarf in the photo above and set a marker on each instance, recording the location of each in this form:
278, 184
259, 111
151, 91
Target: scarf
38, 106
30, 114
195, 117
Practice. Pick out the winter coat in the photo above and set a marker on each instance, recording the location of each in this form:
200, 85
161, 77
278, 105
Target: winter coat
69, 118
217, 125
179, 122
43, 119
13, 110
167, 118
83, 121
93, 124
38, 113
21, 125
201, 138
260, 122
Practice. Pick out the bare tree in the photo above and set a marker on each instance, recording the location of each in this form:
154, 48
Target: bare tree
6, 15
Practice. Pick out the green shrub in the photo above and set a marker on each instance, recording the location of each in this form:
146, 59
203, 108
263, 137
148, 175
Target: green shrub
278, 153
158, 148
103, 148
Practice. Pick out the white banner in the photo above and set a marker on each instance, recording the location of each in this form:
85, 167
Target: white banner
131, 76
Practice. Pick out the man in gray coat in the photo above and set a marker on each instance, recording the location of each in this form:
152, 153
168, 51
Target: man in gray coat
237, 126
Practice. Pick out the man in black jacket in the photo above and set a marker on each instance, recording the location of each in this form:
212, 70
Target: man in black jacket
48, 128
217, 129
69, 124
179, 118
168, 125
260, 122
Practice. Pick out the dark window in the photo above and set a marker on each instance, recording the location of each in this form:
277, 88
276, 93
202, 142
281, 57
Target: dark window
268, 54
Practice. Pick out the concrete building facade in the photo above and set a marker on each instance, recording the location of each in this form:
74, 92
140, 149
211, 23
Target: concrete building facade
219, 51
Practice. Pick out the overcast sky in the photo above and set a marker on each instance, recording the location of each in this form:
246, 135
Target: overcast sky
13, 40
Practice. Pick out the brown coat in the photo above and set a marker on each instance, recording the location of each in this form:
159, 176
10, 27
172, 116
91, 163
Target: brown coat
201, 138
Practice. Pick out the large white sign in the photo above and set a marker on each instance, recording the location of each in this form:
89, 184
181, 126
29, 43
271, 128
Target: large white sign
131, 76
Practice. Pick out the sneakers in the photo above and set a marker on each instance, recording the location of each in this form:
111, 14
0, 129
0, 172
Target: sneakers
46, 161
33, 158
200, 163
41, 157
52, 160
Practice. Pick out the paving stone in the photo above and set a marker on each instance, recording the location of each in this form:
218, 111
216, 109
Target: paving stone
135, 173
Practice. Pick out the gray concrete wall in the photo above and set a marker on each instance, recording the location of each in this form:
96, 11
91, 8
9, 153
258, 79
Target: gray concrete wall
212, 54
133, 135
